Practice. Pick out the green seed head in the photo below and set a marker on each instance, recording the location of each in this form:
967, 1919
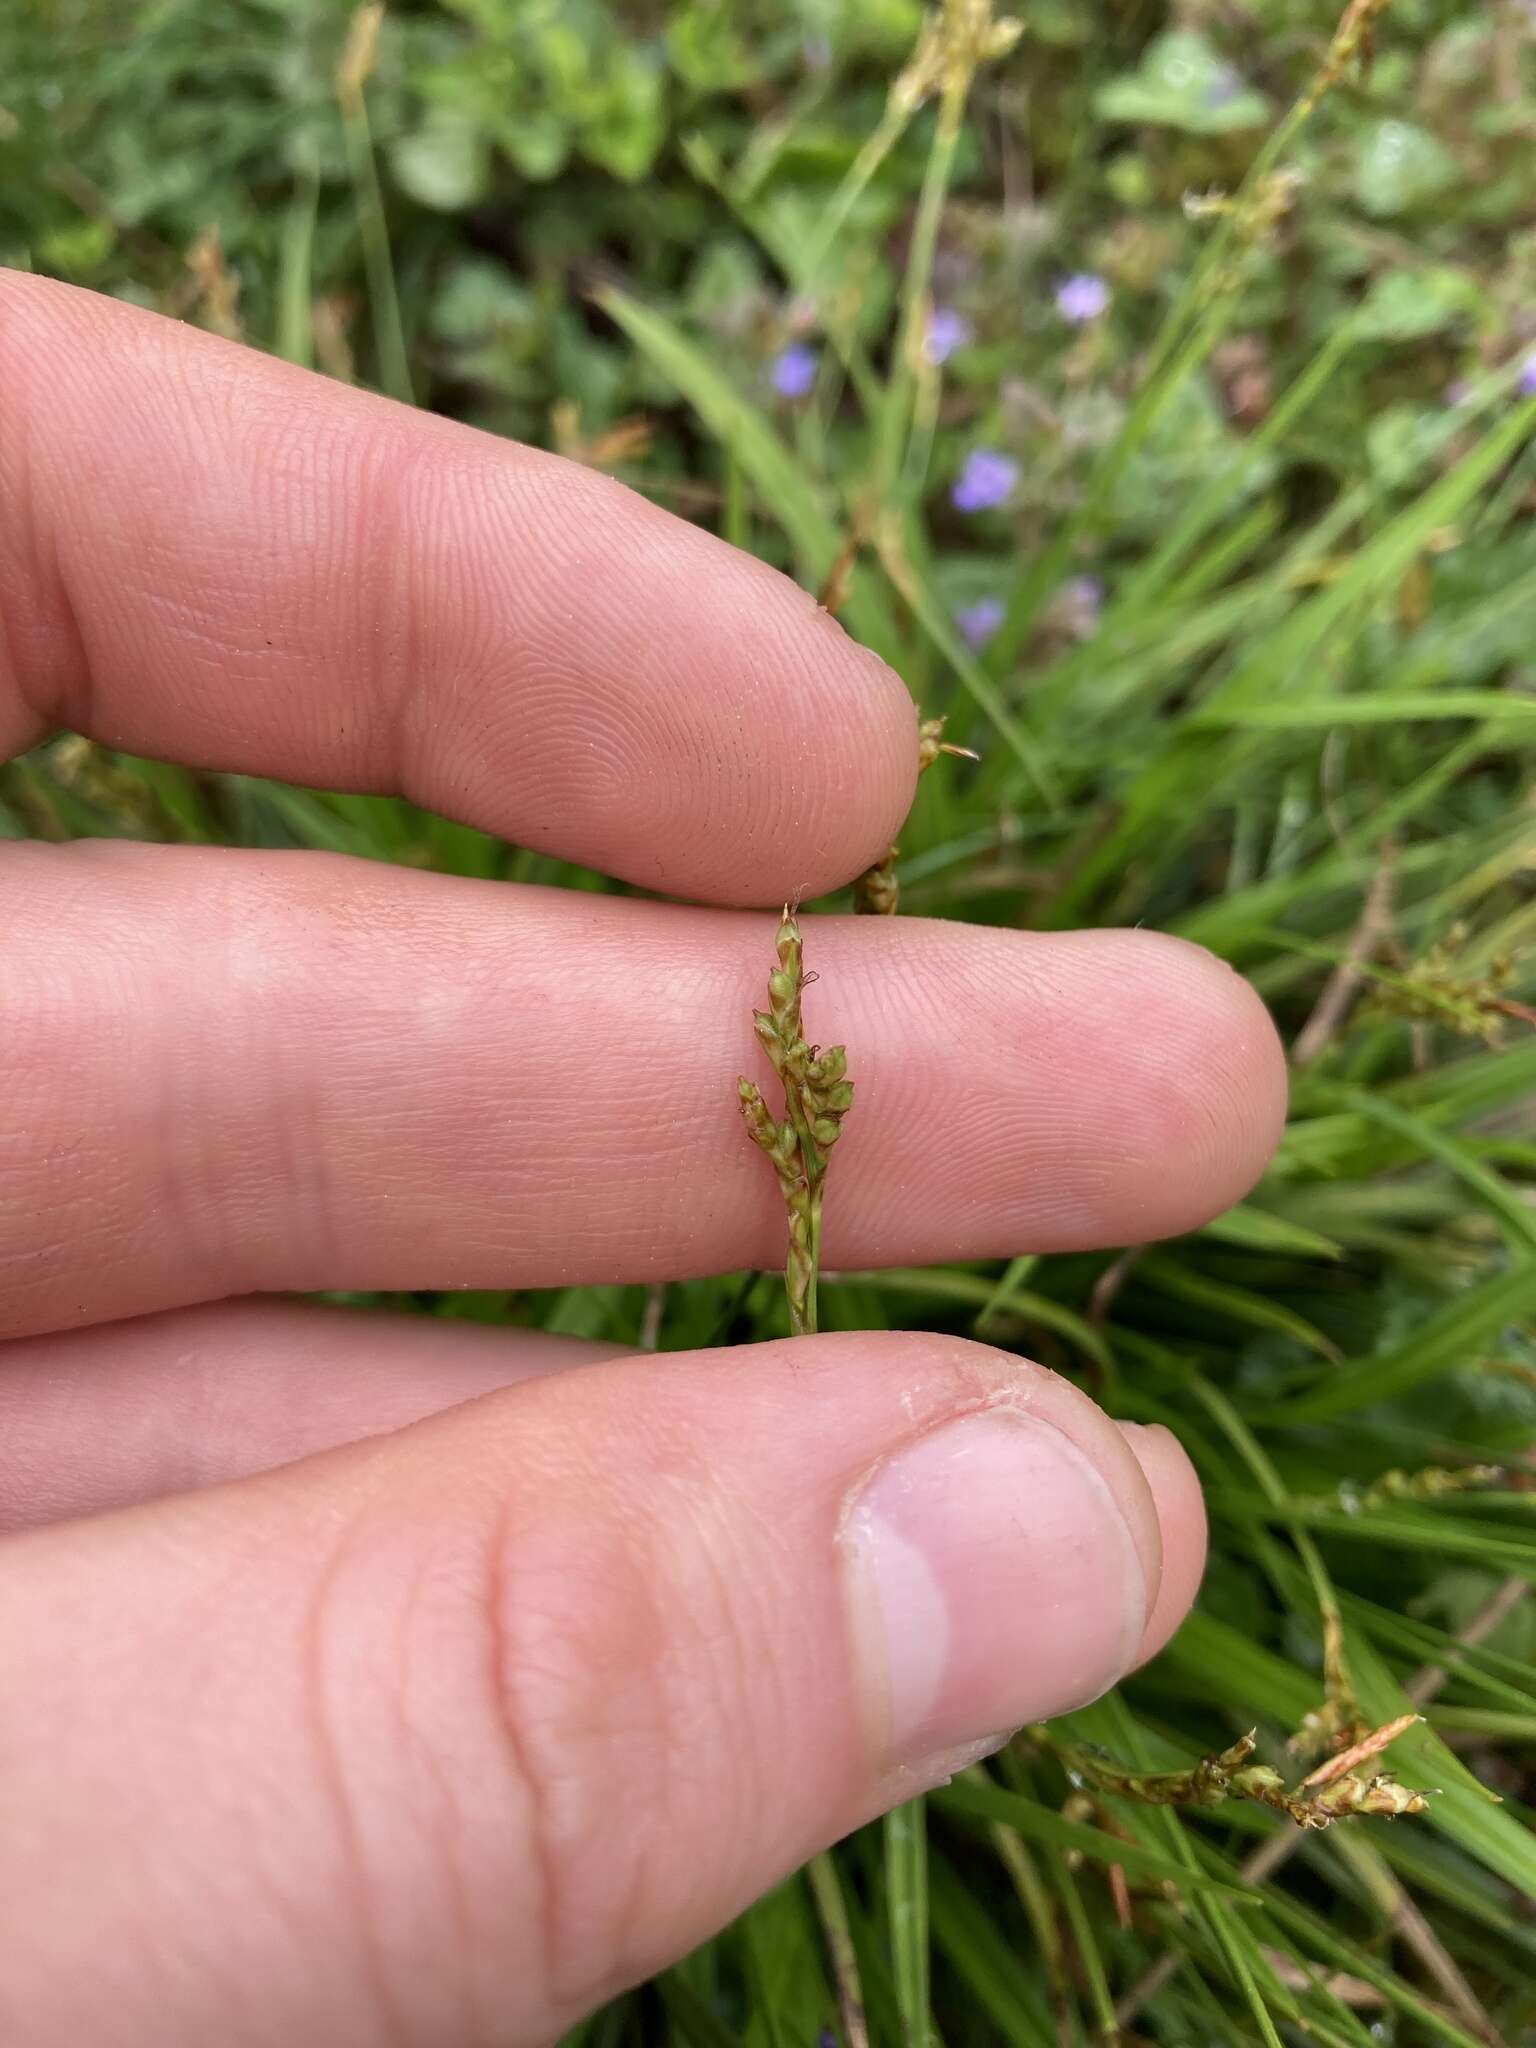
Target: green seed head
831, 1066
817, 1094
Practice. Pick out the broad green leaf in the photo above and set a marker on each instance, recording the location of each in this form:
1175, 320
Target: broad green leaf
1399, 166
1405, 305
445, 164
1182, 83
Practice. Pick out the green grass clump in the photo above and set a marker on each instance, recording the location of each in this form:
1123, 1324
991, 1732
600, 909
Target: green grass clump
1246, 653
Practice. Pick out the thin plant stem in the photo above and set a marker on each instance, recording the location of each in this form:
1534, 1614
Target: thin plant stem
894, 123
896, 413
1028, 1884
952, 49
1338, 1721
295, 340
383, 299
832, 1911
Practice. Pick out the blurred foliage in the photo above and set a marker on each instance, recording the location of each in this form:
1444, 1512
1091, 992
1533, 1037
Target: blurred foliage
1246, 646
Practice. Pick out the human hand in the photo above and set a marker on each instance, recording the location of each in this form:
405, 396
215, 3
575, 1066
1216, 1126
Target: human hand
341, 1707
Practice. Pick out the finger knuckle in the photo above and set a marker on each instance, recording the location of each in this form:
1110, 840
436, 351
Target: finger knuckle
616, 1683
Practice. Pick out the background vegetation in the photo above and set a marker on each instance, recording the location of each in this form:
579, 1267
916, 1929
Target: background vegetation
1237, 606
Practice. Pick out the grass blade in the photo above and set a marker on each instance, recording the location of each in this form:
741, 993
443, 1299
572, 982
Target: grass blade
782, 486
975, 1795
827, 1891
906, 1884
1447, 1339
986, 1961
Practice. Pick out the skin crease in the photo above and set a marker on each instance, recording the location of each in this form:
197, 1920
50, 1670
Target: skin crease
384, 1680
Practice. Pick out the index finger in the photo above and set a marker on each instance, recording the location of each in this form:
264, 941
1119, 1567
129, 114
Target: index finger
212, 556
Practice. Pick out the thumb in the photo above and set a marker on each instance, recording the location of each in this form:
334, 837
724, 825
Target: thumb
448, 1736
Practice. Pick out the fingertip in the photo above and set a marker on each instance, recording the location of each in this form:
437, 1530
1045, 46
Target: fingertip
795, 760
858, 725
1181, 1517
1114, 1087
1213, 1095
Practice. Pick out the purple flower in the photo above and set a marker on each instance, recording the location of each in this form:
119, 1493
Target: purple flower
986, 480
1082, 297
947, 331
794, 370
1525, 384
979, 621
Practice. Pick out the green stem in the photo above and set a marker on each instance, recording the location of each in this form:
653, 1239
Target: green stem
821, 1874
906, 1891
896, 412
294, 340
1339, 1715
383, 299
812, 1323
802, 1316
878, 146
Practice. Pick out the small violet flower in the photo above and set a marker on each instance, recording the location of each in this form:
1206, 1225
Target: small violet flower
979, 621
1082, 297
794, 370
1525, 383
947, 331
986, 480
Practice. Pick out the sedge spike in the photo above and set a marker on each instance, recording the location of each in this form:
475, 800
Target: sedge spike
817, 1096
1343, 1788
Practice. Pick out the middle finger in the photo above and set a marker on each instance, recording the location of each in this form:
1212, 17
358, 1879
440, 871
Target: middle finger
234, 1072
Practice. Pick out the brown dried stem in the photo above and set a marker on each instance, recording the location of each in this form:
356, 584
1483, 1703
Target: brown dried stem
877, 893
